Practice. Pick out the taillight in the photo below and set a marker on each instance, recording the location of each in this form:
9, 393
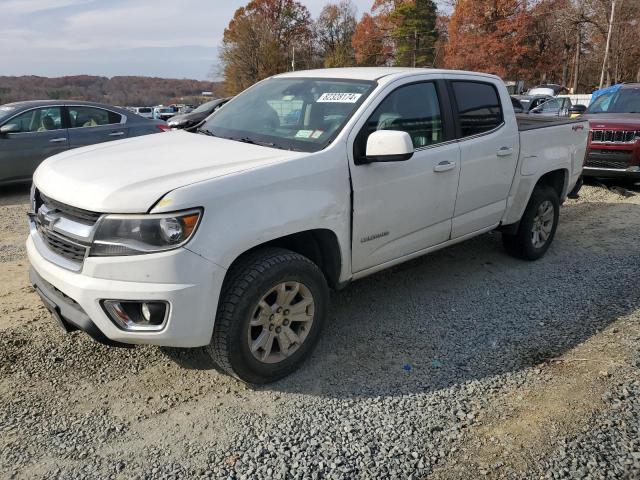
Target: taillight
163, 128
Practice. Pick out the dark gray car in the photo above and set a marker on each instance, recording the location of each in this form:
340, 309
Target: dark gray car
34, 130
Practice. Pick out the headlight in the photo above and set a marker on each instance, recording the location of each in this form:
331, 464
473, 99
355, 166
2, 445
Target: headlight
136, 234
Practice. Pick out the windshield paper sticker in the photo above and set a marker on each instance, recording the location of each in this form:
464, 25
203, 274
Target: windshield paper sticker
304, 133
339, 98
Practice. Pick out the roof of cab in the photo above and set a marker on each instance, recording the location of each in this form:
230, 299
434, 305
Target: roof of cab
371, 73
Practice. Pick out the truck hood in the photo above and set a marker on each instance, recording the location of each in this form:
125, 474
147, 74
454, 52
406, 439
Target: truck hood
613, 120
129, 176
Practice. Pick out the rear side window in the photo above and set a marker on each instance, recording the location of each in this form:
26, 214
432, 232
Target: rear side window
91, 117
479, 108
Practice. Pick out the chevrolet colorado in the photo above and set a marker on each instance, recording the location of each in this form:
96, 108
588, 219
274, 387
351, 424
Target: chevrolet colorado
231, 238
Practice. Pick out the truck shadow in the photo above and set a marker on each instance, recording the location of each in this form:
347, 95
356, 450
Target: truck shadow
470, 311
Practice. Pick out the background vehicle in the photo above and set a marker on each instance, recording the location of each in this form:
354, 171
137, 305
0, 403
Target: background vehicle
529, 102
146, 112
34, 130
550, 89
614, 142
191, 121
264, 212
556, 106
164, 113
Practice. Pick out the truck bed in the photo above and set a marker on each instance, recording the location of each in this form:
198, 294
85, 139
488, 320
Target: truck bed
531, 122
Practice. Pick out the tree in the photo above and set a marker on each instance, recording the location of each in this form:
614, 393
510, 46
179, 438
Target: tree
260, 39
370, 42
414, 32
397, 32
335, 27
491, 36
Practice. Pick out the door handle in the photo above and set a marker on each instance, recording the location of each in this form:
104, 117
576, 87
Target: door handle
444, 166
504, 151
58, 140
116, 134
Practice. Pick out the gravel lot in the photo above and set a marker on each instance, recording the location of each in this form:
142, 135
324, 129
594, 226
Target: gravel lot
461, 363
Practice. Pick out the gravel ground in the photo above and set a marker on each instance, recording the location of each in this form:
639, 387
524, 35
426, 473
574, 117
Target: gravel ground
464, 362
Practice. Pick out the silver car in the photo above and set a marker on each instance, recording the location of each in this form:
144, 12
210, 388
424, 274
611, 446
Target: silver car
34, 130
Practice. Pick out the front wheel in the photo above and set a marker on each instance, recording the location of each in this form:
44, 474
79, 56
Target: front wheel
272, 309
537, 226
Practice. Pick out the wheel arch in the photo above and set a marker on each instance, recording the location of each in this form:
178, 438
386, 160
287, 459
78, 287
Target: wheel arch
556, 179
321, 246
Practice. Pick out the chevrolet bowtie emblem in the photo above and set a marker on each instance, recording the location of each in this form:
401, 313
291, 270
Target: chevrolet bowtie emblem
46, 220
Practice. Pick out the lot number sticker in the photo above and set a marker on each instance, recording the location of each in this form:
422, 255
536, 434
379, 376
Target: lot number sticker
339, 98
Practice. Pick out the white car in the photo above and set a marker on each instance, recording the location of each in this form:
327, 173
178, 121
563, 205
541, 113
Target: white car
306, 181
146, 112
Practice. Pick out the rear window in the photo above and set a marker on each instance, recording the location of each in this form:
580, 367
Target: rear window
479, 108
144, 110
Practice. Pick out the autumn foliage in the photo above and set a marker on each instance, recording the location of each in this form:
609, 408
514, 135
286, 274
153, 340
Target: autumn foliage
555, 41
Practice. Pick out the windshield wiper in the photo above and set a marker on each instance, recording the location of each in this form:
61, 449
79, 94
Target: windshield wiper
253, 142
204, 131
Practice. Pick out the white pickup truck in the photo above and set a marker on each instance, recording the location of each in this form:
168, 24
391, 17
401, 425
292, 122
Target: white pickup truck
232, 237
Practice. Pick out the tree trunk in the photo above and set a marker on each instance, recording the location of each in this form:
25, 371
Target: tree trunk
565, 65
576, 70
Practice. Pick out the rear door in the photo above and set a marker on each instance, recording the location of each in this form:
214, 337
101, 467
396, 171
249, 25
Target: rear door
89, 125
400, 208
488, 139
42, 134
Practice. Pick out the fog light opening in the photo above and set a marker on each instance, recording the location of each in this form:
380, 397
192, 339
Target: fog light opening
137, 315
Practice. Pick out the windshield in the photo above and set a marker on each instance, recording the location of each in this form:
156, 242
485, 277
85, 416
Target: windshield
625, 100
206, 106
302, 114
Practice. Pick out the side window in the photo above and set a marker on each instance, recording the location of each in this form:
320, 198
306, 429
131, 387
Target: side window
39, 120
479, 108
550, 105
413, 109
91, 117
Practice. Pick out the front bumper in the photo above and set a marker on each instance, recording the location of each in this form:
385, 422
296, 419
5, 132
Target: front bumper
631, 172
190, 283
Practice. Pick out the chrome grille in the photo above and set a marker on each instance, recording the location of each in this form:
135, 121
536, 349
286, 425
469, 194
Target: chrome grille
63, 246
73, 213
615, 136
53, 218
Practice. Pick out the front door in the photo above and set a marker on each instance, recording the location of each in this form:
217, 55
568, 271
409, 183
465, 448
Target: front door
402, 207
40, 135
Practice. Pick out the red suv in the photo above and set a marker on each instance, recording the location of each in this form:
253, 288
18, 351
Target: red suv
614, 141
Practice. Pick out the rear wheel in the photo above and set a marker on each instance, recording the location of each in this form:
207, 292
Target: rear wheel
272, 309
537, 226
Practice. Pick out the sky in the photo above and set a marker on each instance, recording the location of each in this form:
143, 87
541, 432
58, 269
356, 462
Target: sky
163, 38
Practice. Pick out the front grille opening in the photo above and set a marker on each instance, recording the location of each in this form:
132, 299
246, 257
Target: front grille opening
614, 136
79, 215
63, 246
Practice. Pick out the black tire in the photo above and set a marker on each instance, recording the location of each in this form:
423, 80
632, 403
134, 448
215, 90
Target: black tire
247, 282
521, 244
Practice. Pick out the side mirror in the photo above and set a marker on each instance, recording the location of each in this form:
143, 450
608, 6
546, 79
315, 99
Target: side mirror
9, 128
389, 146
577, 110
